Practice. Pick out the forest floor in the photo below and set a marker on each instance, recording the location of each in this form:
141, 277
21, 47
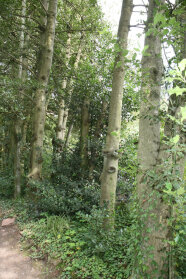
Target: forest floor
14, 263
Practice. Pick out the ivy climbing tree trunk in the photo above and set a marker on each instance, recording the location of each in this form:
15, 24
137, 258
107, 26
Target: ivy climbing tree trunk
45, 63
154, 212
110, 167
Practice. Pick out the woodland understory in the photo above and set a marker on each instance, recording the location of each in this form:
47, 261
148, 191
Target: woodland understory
92, 135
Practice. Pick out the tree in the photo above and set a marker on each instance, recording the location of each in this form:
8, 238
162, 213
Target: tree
44, 66
17, 127
154, 211
111, 150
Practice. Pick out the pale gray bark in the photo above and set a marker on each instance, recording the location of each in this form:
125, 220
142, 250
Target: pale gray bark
110, 168
154, 211
45, 60
61, 112
70, 91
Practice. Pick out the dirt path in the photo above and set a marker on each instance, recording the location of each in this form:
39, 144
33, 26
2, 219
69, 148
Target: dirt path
13, 263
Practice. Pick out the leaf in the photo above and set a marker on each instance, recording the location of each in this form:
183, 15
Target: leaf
183, 113
165, 32
119, 64
175, 139
144, 50
72, 244
125, 52
159, 18
134, 56
177, 238
149, 32
180, 191
136, 49
168, 186
182, 65
104, 31
114, 133
177, 90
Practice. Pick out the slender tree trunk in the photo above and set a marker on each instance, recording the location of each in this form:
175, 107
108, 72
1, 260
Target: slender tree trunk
110, 168
61, 112
17, 127
68, 134
46, 56
85, 117
70, 91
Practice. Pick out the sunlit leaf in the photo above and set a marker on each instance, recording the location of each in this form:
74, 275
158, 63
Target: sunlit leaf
183, 113
177, 90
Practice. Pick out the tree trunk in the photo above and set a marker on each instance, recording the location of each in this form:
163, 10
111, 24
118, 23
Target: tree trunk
70, 86
110, 168
154, 212
61, 112
17, 133
17, 136
45, 60
84, 133
68, 134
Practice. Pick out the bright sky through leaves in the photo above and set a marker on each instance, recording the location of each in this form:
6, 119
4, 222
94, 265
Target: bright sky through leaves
112, 10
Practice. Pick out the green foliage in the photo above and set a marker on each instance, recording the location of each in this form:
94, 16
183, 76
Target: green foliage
6, 184
81, 248
64, 197
127, 166
166, 185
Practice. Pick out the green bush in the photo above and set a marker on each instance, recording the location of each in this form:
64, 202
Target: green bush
6, 184
65, 197
82, 248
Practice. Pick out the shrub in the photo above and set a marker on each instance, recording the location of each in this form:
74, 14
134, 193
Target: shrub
65, 197
6, 184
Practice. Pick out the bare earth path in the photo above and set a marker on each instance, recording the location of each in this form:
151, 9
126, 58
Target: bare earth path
13, 263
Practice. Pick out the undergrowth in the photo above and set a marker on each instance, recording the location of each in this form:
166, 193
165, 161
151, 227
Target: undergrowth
78, 246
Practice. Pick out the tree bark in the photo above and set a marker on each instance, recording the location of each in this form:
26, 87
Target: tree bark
154, 212
110, 167
46, 56
17, 127
68, 134
61, 112
84, 133
70, 91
